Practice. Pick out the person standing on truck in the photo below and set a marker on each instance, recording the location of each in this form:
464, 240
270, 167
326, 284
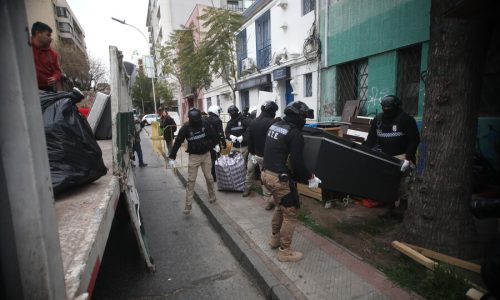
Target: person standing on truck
395, 133
235, 130
216, 123
48, 71
256, 137
201, 139
168, 125
284, 142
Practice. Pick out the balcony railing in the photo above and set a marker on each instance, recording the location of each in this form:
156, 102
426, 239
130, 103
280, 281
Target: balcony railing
264, 57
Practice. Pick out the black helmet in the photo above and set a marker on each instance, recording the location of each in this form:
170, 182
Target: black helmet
390, 102
269, 106
232, 110
194, 116
300, 109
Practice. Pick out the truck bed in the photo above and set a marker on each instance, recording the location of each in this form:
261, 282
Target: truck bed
85, 215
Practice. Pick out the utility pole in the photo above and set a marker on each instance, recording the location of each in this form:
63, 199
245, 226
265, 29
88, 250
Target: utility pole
154, 68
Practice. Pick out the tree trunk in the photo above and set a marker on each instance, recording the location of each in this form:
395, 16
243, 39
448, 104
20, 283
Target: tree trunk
438, 216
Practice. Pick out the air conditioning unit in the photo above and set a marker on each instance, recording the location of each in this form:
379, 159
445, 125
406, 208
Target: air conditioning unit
247, 64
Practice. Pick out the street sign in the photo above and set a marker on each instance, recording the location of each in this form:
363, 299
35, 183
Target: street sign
149, 66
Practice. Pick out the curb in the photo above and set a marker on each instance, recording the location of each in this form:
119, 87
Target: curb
268, 283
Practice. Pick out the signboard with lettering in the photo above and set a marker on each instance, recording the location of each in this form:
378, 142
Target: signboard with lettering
281, 73
253, 82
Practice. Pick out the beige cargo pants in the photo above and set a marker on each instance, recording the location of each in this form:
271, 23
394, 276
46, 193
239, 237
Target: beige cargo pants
284, 218
251, 175
205, 162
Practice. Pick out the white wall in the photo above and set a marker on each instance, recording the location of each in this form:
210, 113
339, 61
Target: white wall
297, 27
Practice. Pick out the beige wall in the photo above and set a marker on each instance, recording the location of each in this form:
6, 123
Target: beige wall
43, 11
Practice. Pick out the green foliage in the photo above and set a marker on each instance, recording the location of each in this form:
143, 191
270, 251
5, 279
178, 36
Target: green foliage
184, 59
372, 226
165, 93
441, 283
219, 42
142, 93
308, 221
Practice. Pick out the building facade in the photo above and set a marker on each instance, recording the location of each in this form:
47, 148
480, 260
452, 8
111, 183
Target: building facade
165, 16
370, 50
374, 48
277, 53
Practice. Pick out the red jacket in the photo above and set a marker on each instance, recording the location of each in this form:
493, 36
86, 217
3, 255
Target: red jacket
46, 65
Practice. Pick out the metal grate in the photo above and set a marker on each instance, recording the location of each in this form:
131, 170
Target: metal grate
308, 85
352, 84
408, 81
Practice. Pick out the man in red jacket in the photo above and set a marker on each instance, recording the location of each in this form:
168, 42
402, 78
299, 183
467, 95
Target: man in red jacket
48, 72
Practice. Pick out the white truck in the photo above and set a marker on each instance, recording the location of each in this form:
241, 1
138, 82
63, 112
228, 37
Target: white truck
52, 248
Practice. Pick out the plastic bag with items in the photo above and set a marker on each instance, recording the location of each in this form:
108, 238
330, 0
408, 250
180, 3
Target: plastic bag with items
75, 158
230, 171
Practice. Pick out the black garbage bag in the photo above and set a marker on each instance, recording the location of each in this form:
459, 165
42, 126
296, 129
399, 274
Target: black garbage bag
75, 158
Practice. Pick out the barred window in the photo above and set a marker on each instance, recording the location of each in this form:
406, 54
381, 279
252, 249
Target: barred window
352, 84
308, 85
408, 79
308, 6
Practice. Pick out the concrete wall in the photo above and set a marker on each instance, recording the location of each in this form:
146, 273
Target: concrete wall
361, 28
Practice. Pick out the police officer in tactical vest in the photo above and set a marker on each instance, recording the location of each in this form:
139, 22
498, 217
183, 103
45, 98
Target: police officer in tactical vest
284, 142
235, 130
201, 139
394, 132
256, 137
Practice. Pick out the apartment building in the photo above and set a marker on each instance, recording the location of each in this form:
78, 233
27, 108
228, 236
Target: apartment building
165, 16
277, 54
59, 16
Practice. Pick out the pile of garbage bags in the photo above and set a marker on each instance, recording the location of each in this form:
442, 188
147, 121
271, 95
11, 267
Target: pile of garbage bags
75, 158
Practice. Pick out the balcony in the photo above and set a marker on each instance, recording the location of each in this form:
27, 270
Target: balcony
263, 57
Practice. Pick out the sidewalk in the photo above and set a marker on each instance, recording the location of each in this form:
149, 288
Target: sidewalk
327, 271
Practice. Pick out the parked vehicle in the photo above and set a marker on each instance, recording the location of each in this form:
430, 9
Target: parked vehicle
148, 119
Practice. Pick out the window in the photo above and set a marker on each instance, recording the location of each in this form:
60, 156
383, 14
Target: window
263, 39
209, 102
218, 100
308, 6
241, 49
408, 80
61, 11
352, 84
308, 85
64, 27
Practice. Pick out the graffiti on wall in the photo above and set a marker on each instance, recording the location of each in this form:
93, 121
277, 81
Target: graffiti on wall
372, 104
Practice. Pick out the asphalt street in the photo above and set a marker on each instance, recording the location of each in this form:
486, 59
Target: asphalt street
191, 260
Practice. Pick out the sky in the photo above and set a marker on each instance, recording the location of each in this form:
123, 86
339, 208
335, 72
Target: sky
101, 31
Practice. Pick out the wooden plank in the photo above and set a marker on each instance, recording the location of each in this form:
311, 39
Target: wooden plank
421, 259
447, 259
474, 294
306, 191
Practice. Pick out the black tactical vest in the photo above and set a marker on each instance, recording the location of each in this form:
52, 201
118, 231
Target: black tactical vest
391, 139
276, 149
198, 140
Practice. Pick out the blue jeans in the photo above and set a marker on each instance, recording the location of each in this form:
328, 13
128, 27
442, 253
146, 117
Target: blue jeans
137, 148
